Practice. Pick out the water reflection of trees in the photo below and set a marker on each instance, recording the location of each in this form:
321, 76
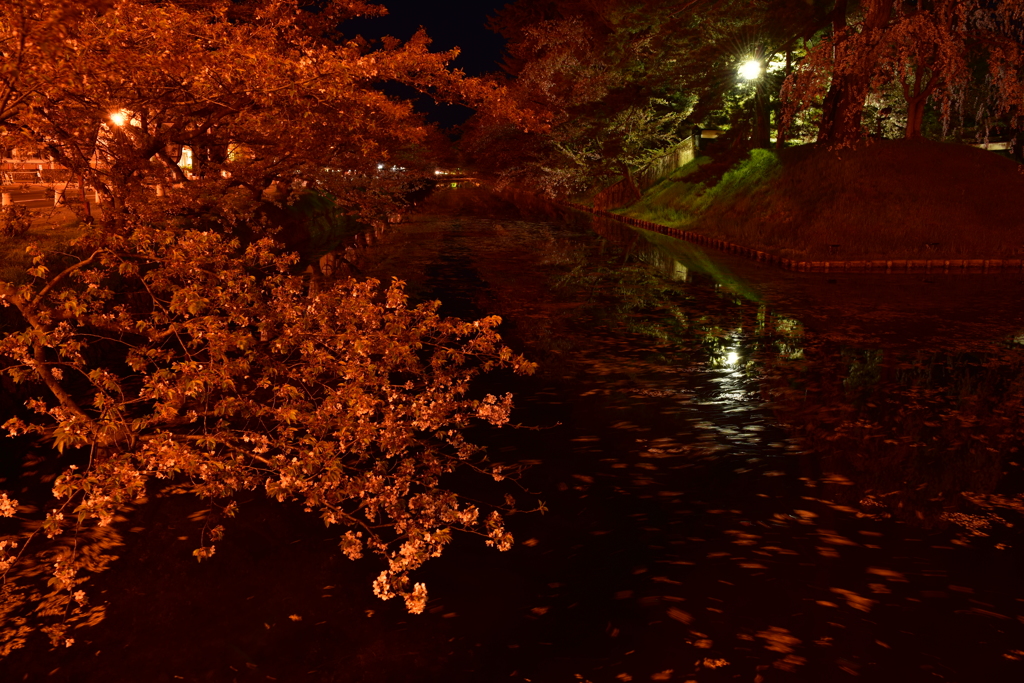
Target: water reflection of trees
921, 436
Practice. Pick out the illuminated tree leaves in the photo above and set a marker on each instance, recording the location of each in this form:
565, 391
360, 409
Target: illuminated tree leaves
354, 406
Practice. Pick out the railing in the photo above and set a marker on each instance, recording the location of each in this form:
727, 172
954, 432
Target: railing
18, 177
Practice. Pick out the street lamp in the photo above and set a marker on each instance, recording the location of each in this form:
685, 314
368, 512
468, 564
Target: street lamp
750, 70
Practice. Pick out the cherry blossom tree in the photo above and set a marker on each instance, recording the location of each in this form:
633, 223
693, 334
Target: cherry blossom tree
933, 51
178, 348
183, 359
262, 94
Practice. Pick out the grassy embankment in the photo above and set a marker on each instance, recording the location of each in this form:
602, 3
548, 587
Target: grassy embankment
891, 199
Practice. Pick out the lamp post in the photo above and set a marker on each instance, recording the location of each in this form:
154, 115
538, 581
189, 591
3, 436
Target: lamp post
751, 70
110, 131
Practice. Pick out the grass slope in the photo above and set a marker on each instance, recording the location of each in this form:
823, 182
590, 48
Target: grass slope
897, 199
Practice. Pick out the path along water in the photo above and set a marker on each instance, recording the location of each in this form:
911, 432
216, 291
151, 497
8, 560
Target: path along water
751, 475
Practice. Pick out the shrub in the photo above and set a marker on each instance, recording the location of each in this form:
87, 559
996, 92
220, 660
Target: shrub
14, 221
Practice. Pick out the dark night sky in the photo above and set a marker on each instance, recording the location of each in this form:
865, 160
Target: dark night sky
450, 23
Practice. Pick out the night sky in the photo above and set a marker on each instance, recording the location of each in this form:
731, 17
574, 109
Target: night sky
450, 23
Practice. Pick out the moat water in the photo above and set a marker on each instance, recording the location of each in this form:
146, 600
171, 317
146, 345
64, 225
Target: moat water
749, 475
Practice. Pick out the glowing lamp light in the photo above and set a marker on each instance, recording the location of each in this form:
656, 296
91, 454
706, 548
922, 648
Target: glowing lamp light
118, 118
750, 69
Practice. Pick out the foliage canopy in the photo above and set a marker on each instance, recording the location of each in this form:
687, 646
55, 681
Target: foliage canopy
184, 357
259, 92
620, 80
180, 350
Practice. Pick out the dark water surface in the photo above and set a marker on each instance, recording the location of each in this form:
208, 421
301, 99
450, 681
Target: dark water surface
757, 475
750, 475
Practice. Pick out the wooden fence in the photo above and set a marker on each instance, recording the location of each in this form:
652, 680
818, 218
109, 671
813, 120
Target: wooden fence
621, 194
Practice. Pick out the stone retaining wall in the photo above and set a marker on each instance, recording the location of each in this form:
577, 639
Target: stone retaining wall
881, 266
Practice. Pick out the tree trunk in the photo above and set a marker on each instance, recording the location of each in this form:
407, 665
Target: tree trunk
916, 96
1017, 146
844, 103
177, 175
836, 87
780, 134
630, 182
828, 110
762, 116
915, 116
86, 212
112, 204
843, 109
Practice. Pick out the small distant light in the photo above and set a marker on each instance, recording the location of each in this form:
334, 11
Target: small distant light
732, 358
437, 171
380, 167
117, 118
750, 69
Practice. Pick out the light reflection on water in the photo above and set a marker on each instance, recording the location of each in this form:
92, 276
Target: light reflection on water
887, 340
904, 395
800, 467
884, 376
